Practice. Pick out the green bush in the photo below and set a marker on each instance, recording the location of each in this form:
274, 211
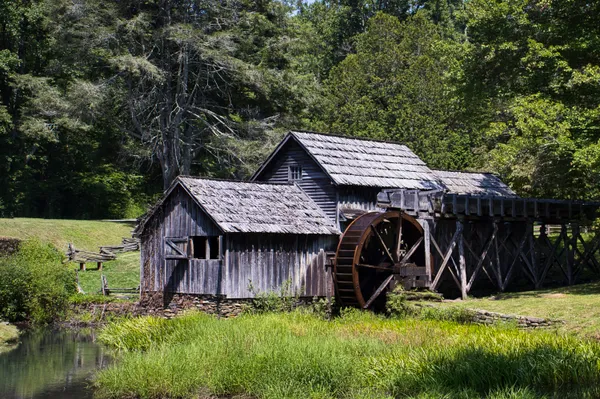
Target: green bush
284, 300
35, 285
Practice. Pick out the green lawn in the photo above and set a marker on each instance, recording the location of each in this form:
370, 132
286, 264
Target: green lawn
84, 234
9, 336
121, 273
578, 306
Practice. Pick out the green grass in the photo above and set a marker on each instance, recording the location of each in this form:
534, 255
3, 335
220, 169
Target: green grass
121, 273
578, 306
9, 335
84, 234
360, 355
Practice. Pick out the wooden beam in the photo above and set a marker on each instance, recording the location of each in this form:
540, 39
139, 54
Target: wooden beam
484, 255
378, 291
399, 237
515, 258
446, 256
411, 251
462, 262
383, 244
428, 255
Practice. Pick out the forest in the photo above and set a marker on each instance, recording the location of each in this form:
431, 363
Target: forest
104, 103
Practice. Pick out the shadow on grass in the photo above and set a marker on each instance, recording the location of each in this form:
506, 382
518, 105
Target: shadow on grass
578, 289
544, 371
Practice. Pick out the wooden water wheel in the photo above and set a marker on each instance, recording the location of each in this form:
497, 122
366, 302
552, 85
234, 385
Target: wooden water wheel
377, 251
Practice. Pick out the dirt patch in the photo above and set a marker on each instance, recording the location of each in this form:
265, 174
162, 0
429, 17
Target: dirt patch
9, 245
556, 295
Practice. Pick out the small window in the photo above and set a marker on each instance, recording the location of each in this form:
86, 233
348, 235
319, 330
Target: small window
205, 247
295, 173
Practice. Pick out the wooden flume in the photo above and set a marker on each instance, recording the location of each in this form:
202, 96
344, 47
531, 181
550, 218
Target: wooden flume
456, 243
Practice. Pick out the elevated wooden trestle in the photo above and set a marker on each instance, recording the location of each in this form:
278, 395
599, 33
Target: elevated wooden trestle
502, 243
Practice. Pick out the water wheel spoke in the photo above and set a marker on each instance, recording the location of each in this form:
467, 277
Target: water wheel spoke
398, 240
378, 291
411, 251
383, 244
383, 266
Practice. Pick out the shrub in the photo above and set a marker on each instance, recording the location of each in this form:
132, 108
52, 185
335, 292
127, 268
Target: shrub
285, 300
397, 303
35, 285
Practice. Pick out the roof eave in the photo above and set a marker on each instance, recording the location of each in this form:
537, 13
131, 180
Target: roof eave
290, 135
264, 165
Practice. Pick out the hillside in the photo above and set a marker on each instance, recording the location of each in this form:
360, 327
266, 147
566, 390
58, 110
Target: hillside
84, 234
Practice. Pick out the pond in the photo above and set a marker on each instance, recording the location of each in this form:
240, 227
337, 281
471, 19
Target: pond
54, 364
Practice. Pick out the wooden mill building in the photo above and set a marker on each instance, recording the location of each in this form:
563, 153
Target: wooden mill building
300, 217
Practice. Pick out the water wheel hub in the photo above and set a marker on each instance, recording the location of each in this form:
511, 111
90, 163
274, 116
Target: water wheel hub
377, 251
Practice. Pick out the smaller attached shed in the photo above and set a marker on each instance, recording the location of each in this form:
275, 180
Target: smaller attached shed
215, 237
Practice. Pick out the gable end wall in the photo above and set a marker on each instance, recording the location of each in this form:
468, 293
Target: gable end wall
315, 183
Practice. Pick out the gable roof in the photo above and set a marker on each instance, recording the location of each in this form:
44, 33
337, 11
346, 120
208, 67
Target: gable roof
242, 207
360, 162
473, 183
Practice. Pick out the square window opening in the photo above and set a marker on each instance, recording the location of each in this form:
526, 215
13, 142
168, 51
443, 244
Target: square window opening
295, 172
205, 247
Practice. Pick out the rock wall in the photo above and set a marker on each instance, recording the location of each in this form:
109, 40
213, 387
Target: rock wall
92, 314
9, 245
158, 304
485, 317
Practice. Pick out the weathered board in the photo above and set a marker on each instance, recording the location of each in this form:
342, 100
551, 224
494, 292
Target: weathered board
266, 261
315, 182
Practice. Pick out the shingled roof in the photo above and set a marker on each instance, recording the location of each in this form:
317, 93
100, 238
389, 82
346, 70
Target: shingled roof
359, 162
241, 207
473, 183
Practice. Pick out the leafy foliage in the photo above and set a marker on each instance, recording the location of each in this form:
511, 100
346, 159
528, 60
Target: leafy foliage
34, 284
104, 103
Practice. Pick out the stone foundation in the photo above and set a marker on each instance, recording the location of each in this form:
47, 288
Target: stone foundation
156, 304
172, 304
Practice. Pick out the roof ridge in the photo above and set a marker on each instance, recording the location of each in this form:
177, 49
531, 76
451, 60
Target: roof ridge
340, 135
233, 180
464, 171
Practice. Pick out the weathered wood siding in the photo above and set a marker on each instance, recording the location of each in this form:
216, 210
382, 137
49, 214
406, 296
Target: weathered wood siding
268, 260
315, 183
354, 197
195, 276
179, 216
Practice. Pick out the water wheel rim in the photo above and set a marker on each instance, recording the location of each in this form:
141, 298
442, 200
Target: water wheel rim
368, 222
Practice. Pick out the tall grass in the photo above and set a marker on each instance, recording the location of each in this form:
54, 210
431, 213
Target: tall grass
359, 355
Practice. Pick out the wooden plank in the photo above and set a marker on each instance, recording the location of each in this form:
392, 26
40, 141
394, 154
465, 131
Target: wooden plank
411, 271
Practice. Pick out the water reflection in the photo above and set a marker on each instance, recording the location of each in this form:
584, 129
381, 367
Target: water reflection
51, 364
